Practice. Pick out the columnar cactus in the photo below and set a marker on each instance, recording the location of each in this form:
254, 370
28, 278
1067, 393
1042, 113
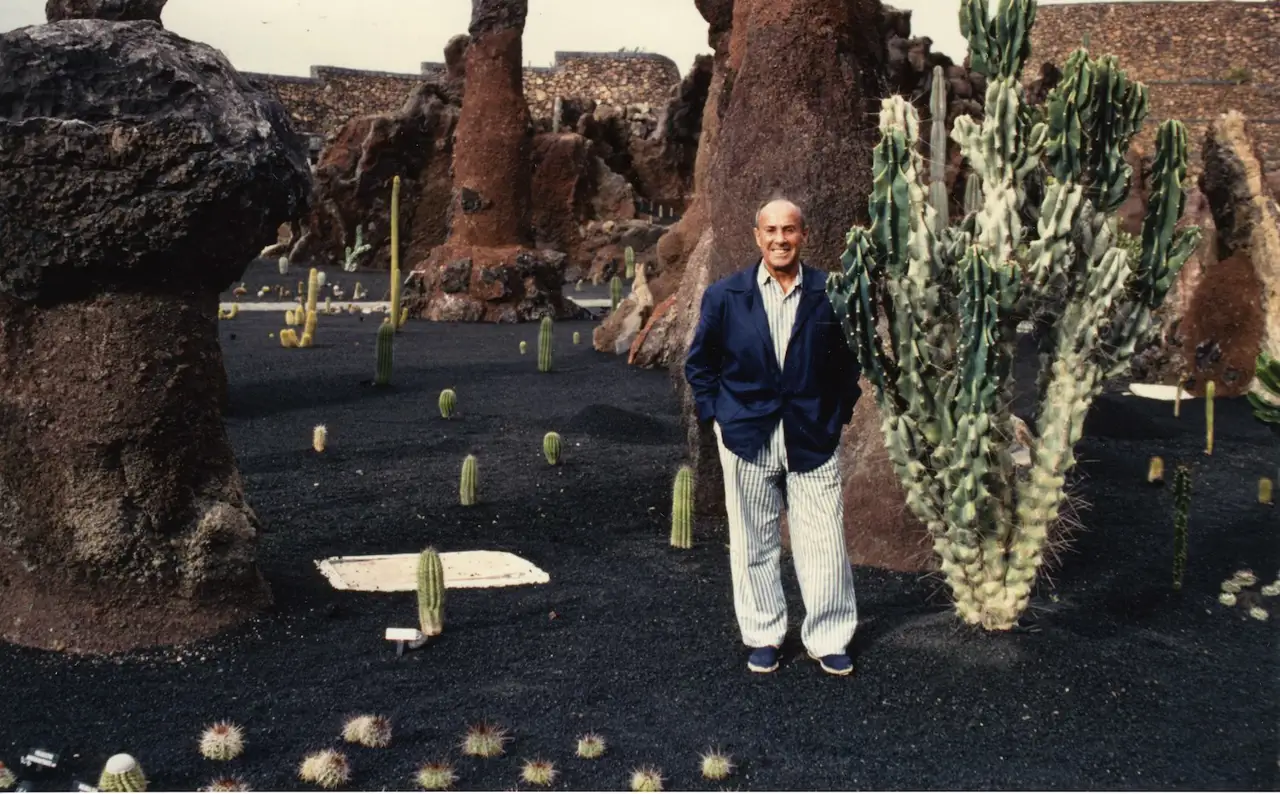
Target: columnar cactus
682, 509
448, 400
1208, 417
551, 447
385, 345
1181, 508
544, 344
394, 311
938, 145
629, 257
353, 255
615, 293
467, 485
1039, 247
313, 289
430, 592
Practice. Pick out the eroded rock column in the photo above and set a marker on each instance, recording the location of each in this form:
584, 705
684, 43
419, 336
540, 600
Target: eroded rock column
140, 170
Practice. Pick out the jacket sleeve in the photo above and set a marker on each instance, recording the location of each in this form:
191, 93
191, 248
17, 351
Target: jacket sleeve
702, 365
849, 372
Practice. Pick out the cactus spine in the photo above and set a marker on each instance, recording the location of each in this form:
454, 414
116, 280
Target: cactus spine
682, 509
544, 345
467, 485
1041, 248
385, 344
447, 402
396, 320
430, 592
1181, 508
629, 257
1208, 418
551, 447
615, 293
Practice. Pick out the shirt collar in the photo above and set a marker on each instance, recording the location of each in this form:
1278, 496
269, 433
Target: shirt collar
763, 277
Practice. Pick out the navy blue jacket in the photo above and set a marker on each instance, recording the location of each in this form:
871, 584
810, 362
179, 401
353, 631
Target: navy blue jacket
734, 372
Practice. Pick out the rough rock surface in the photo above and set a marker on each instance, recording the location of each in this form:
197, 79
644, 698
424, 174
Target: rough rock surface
627, 320
111, 10
353, 184
489, 269
662, 163
142, 173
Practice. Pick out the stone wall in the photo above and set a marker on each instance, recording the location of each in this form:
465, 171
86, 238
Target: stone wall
1198, 60
326, 100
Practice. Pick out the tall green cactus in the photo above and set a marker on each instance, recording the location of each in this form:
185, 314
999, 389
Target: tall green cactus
629, 257
544, 344
1181, 509
430, 592
1037, 247
467, 484
615, 293
938, 144
682, 509
385, 343
551, 447
394, 309
448, 400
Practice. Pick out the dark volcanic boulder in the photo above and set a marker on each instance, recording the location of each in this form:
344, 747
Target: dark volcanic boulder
114, 10
141, 173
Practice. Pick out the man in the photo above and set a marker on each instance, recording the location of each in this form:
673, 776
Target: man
772, 373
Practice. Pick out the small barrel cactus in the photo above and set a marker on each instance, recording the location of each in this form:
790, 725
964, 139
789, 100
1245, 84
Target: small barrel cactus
122, 773
448, 400
467, 485
386, 340
368, 730
222, 741
615, 293
551, 447
327, 769
524, 347
544, 344
577, 337
431, 592
682, 509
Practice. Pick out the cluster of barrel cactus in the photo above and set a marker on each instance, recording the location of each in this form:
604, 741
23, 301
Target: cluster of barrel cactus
1038, 244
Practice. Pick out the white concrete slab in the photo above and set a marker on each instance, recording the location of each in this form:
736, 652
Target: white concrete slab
391, 573
1157, 391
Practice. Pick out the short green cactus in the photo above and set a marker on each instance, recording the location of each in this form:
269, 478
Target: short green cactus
1040, 246
615, 293
430, 592
385, 344
551, 447
577, 337
467, 485
1208, 417
448, 399
524, 347
122, 772
1181, 509
629, 257
682, 509
544, 344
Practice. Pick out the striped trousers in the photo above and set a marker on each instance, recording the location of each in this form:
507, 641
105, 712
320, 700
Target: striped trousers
755, 494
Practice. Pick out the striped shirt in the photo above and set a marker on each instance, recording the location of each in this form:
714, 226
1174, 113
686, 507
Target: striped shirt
780, 308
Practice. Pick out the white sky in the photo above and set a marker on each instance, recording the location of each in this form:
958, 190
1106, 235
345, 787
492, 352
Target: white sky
278, 37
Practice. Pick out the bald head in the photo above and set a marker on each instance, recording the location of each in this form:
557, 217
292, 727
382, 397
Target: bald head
780, 234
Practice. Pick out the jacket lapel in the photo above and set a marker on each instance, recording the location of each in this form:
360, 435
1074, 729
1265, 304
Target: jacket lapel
813, 293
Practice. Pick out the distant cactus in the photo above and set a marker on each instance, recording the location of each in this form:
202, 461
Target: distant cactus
544, 344
1208, 418
309, 325
321, 279
352, 258
467, 485
524, 347
629, 257
368, 730
222, 741
577, 337
1264, 491
283, 264
327, 769
1155, 470
682, 509
551, 447
431, 591
313, 289
288, 337
395, 254
448, 400
385, 344
122, 773
615, 293
1181, 509
319, 436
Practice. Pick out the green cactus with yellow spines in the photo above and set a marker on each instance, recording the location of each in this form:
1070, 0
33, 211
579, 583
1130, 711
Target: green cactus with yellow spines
1038, 242
467, 483
544, 344
313, 289
682, 509
430, 592
551, 447
385, 347
448, 400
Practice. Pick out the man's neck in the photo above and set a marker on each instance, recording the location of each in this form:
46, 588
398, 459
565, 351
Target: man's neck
785, 278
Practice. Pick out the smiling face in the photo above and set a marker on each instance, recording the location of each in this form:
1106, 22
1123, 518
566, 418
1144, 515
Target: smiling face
780, 235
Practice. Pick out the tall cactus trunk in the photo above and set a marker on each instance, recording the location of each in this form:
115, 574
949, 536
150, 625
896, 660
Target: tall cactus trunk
938, 146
